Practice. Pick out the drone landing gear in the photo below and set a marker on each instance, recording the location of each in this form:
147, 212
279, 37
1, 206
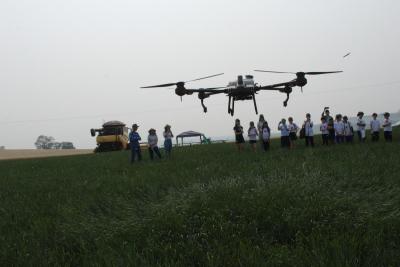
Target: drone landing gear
230, 111
204, 107
286, 90
231, 108
255, 104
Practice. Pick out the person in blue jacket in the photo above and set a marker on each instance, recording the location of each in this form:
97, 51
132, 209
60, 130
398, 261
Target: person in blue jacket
134, 139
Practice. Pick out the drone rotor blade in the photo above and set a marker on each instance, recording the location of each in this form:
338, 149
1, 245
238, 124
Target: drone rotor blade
202, 78
160, 85
271, 71
322, 72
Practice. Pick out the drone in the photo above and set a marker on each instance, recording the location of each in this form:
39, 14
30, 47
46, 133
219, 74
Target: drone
243, 88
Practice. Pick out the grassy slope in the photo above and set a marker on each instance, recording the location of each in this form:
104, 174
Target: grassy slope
337, 206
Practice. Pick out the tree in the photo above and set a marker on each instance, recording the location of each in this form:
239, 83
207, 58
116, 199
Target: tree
42, 141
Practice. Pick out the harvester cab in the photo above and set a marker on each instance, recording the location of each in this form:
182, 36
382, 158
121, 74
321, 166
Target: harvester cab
111, 137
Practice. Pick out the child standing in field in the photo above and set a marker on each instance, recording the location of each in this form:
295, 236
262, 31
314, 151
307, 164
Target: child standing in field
348, 130
361, 127
134, 139
252, 133
339, 129
152, 140
266, 135
308, 130
324, 131
238, 129
293, 128
285, 141
387, 127
375, 128
168, 140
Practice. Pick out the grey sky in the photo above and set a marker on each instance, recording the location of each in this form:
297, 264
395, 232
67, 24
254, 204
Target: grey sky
65, 66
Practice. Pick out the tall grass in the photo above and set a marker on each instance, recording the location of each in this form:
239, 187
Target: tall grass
206, 206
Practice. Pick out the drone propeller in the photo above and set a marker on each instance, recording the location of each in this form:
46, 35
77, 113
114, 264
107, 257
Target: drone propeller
306, 73
198, 79
172, 84
160, 85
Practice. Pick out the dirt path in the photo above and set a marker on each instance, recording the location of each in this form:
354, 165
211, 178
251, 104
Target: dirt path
35, 153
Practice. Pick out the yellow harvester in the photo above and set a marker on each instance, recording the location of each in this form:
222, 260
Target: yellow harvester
113, 136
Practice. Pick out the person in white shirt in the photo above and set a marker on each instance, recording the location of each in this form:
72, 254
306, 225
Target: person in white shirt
152, 140
260, 125
168, 140
285, 142
375, 127
266, 135
361, 127
308, 130
293, 128
339, 129
387, 127
324, 131
252, 133
348, 130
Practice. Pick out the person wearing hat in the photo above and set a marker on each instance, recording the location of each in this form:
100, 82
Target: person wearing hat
152, 140
168, 140
134, 139
387, 127
361, 127
375, 127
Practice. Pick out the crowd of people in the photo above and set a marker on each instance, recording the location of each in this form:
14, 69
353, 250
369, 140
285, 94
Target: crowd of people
333, 131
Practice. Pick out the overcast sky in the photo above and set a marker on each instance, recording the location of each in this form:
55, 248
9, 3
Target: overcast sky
68, 66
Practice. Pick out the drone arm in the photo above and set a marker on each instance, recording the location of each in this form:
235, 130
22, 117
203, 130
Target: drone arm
277, 86
209, 91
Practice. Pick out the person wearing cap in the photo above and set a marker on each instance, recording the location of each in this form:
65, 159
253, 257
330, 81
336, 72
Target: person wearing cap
348, 130
152, 140
308, 130
375, 127
361, 127
134, 139
168, 140
387, 127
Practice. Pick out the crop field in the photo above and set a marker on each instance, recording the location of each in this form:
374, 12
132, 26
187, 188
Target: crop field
208, 205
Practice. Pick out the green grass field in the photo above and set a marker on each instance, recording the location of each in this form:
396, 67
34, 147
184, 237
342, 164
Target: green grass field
206, 206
